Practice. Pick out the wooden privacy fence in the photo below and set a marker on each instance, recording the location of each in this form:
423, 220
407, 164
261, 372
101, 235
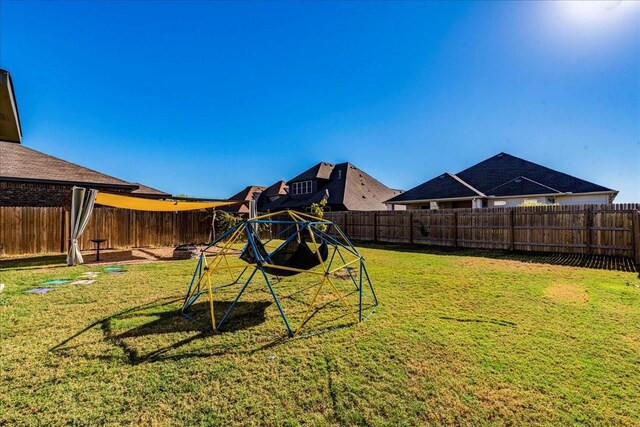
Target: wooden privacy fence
590, 229
30, 230
583, 229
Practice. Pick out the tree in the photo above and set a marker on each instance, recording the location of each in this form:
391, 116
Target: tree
317, 209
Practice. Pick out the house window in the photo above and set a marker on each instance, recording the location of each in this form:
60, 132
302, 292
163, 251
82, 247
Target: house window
302, 187
500, 203
551, 200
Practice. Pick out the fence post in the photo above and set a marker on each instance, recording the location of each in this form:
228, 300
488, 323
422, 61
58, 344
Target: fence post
588, 223
63, 229
375, 226
512, 238
455, 229
411, 228
346, 225
635, 218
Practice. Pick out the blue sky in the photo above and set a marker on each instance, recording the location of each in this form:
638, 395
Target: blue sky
203, 98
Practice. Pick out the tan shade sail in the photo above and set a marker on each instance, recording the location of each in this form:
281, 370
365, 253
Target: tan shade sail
142, 204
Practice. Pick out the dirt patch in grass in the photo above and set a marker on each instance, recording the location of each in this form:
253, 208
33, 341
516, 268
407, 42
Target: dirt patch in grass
567, 293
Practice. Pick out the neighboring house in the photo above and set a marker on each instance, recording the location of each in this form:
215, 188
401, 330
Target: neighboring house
271, 194
251, 192
32, 178
343, 185
149, 192
503, 180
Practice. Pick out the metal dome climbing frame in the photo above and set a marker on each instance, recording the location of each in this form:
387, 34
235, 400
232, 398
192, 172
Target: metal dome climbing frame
304, 245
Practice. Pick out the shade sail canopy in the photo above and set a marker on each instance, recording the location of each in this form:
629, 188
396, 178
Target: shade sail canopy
142, 204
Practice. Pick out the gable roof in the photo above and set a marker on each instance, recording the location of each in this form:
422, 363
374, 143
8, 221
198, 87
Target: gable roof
277, 189
344, 185
322, 170
440, 187
520, 186
19, 163
274, 191
246, 193
500, 176
504, 167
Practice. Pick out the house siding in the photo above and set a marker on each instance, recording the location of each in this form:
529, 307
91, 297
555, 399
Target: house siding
584, 199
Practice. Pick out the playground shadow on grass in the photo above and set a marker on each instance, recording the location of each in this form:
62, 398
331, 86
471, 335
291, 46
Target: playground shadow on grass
245, 315
600, 262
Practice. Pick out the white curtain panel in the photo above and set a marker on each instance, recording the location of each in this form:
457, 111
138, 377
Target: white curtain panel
253, 209
253, 212
82, 201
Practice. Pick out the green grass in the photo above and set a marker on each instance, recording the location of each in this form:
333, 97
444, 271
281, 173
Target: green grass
456, 340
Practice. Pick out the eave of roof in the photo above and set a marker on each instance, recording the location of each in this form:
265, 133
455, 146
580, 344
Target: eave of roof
60, 182
14, 106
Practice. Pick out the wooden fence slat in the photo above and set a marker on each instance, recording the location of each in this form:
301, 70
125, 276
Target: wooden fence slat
583, 229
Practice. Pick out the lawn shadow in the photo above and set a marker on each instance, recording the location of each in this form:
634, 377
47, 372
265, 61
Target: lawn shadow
245, 315
34, 262
600, 262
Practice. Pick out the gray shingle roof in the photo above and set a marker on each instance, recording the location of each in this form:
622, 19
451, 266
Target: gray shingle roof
504, 167
521, 186
499, 176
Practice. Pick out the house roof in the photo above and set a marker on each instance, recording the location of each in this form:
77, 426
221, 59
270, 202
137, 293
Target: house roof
322, 170
144, 190
440, 187
247, 193
10, 128
19, 163
504, 167
522, 185
277, 189
343, 184
500, 176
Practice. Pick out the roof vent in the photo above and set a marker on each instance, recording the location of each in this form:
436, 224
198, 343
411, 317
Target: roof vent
517, 180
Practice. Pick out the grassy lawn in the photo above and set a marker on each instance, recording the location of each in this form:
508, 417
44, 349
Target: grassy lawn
456, 340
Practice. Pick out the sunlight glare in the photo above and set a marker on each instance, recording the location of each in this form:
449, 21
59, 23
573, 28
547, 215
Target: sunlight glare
596, 12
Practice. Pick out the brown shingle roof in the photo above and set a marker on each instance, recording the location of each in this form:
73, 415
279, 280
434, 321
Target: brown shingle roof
322, 170
19, 163
246, 194
144, 190
277, 189
347, 187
